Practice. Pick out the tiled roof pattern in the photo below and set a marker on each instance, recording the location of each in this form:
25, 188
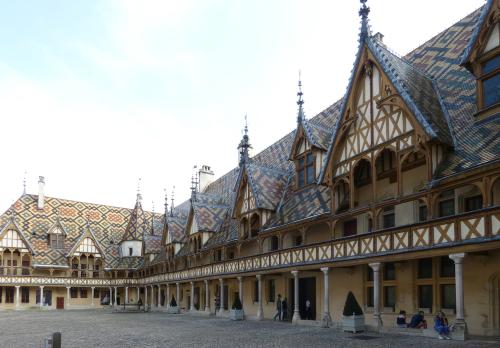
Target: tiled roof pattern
267, 184
152, 244
136, 227
106, 222
317, 135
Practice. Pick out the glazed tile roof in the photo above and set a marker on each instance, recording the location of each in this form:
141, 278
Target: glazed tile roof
209, 211
136, 226
107, 223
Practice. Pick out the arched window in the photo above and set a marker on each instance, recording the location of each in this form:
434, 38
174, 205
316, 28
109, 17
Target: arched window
254, 225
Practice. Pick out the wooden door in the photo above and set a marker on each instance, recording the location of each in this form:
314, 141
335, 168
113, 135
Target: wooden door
60, 303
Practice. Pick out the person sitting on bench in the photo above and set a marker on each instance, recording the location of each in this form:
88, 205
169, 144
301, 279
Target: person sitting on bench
418, 321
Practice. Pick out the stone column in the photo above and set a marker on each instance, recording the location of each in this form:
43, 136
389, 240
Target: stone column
110, 296
167, 301
221, 293
41, 297
17, 296
296, 312
138, 292
376, 293
460, 326
178, 295
326, 320
207, 297
240, 289
260, 310
116, 297
126, 295
68, 295
191, 307
92, 296
145, 298
159, 295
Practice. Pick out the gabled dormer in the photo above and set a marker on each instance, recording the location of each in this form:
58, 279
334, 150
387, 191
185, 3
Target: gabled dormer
87, 245
482, 59
11, 238
56, 235
308, 148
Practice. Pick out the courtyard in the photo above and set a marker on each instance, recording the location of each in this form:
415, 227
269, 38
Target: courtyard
99, 328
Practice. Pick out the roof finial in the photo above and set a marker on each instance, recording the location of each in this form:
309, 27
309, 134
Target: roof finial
244, 143
172, 202
24, 183
194, 182
12, 213
300, 102
363, 13
166, 202
139, 196
153, 219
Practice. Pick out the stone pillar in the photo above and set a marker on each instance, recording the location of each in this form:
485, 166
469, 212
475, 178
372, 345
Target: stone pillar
460, 326
138, 292
126, 295
178, 295
110, 296
68, 295
145, 298
207, 297
326, 320
260, 310
159, 295
167, 301
221, 293
92, 295
376, 293
41, 297
116, 297
296, 312
240, 289
191, 307
17, 296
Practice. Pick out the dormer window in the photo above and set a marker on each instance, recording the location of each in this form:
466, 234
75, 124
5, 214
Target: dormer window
490, 82
56, 238
130, 251
306, 173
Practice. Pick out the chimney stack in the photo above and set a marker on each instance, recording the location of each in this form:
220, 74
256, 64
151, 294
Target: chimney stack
41, 194
205, 177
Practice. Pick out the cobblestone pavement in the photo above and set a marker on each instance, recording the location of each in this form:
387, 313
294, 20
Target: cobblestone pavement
105, 329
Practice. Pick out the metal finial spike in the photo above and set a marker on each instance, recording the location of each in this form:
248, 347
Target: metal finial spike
172, 202
153, 205
166, 201
24, 183
246, 124
363, 13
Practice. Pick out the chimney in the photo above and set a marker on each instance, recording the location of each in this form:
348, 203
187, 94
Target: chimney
41, 194
205, 177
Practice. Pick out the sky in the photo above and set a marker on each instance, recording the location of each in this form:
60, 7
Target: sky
95, 94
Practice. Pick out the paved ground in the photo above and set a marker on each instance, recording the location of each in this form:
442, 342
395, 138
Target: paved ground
106, 329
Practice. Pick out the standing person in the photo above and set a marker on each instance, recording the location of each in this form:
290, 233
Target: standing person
308, 310
441, 326
278, 308
284, 309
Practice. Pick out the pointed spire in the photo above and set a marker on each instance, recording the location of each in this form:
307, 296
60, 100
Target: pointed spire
194, 183
153, 219
244, 144
363, 13
172, 202
300, 102
24, 183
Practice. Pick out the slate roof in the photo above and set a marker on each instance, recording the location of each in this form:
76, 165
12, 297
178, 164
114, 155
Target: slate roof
107, 223
209, 211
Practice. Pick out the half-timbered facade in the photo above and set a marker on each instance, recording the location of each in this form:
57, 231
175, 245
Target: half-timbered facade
392, 193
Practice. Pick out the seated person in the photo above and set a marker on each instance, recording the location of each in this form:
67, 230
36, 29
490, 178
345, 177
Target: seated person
401, 320
441, 326
418, 321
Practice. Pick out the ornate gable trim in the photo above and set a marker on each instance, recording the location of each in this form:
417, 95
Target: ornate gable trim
87, 233
12, 226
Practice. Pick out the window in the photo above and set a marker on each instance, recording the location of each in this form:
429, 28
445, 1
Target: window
369, 274
388, 217
448, 296
447, 267
130, 251
369, 296
83, 272
389, 271
422, 212
490, 80
272, 290
56, 240
386, 166
83, 292
350, 227
96, 293
73, 292
274, 243
362, 174
25, 295
447, 203
424, 269
425, 296
473, 203
298, 240
390, 297
95, 274
306, 172
9, 294
256, 291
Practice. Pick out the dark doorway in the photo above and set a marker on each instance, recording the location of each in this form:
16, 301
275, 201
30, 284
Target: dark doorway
226, 297
60, 303
196, 298
307, 291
